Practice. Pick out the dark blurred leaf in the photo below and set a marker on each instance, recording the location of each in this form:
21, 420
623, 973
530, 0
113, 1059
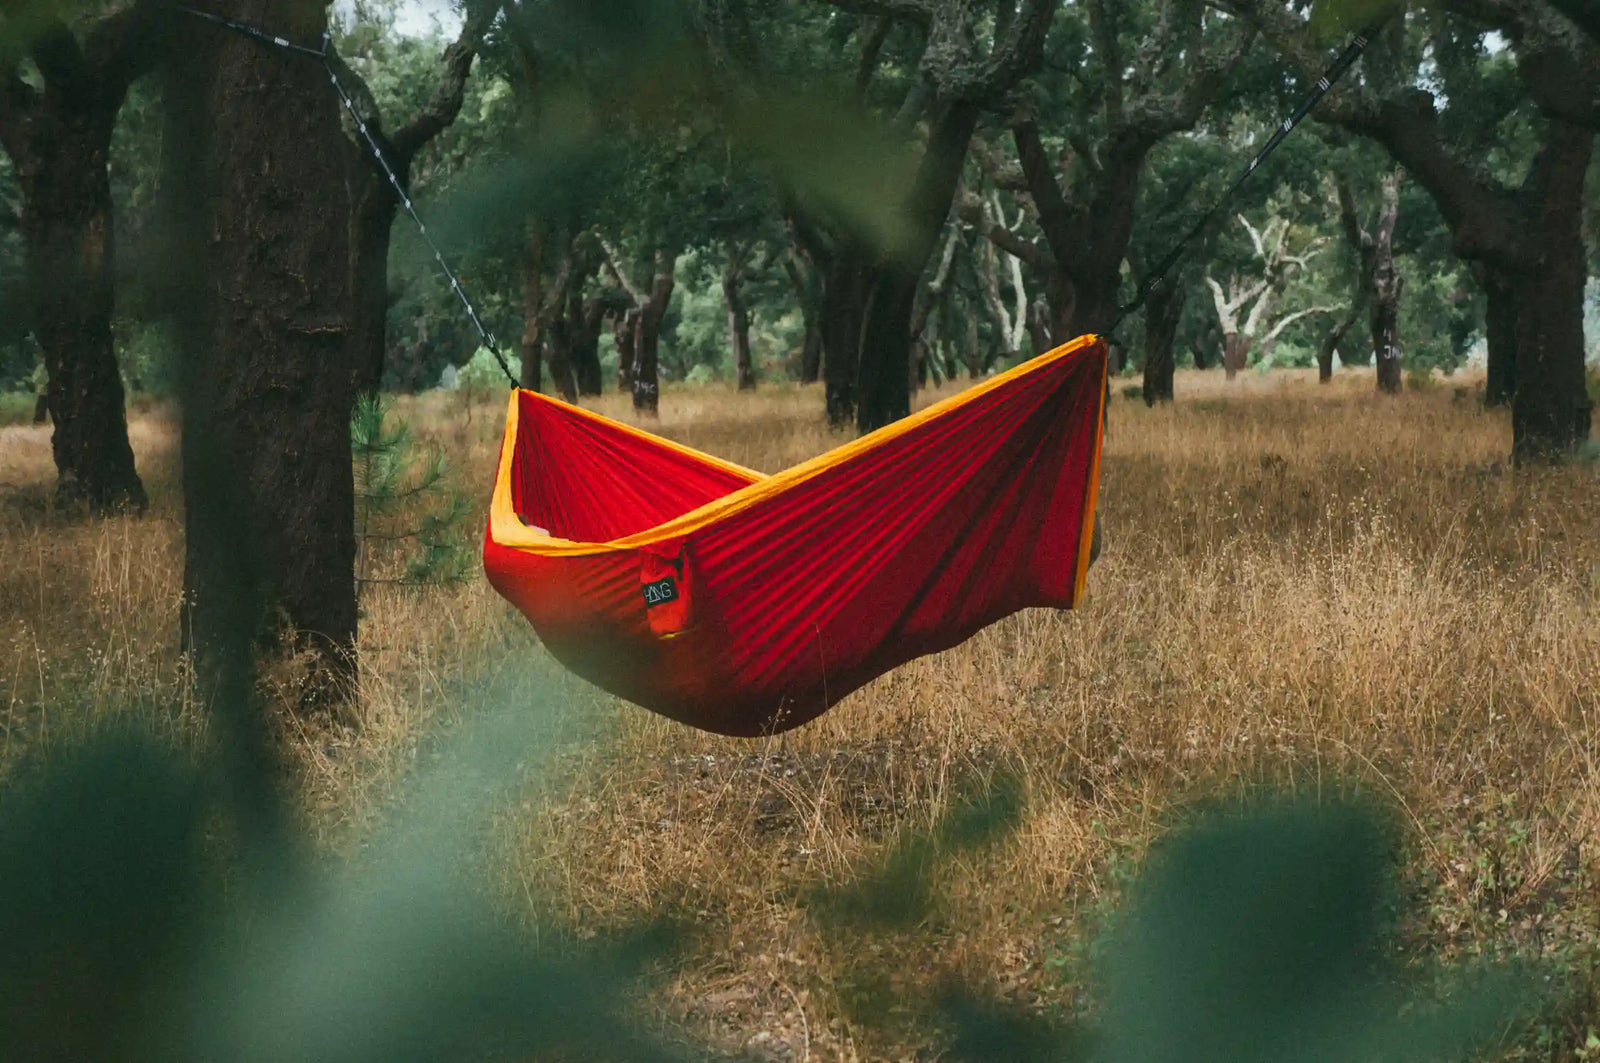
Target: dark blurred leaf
896, 892
1263, 938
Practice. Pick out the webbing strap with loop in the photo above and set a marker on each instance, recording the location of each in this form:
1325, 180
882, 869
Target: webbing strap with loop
1346, 60
400, 192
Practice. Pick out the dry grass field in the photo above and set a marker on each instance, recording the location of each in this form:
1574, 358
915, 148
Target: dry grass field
1303, 587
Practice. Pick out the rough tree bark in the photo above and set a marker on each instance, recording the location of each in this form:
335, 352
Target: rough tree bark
1381, 282
374, 202
266, 418
59, 139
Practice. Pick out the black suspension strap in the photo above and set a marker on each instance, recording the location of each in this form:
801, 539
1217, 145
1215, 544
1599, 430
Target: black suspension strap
1346, 60
401, 194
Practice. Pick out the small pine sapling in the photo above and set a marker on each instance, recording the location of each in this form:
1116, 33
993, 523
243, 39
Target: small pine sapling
408, 515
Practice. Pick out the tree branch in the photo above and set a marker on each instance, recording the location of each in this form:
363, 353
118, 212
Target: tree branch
613, 266
918, 11
976, 213
451, 89
1056, 217
1585, 14
55, 50
17, 97
871, 48
1289, 319
1349, 217
126, 44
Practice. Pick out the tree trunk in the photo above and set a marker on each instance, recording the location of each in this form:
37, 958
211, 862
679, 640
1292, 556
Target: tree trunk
1235, 353
1550, 410
375, 201
558, 344
61, 162
811, 353
268, 398
884, 369
1380, 276
738, 320
1386, 328
1162, 315
625, 337
532, 346
801, 270
588, 319
1330, 346
647, 340
372, 215
844, 309
1500, 333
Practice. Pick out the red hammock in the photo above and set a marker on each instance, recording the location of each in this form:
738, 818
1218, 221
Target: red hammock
748, 604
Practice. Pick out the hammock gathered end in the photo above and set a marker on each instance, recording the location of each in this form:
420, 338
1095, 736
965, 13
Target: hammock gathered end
746, 604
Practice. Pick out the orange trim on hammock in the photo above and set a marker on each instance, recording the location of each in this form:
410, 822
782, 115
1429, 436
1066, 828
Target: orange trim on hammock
1092, 491
508, 530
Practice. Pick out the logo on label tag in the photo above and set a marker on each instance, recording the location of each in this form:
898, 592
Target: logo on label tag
660, 592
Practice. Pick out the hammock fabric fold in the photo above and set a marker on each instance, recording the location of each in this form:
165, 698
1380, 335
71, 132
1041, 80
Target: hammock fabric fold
747, 604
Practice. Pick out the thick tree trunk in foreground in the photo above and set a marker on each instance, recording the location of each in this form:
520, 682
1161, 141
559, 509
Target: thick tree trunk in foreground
1162, 314
372, 212
267, 407
59, 140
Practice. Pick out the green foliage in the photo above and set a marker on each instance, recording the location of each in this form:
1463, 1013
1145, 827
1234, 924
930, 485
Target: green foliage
1257, 938
408, 516
148, 915
17, 351
483, 374
16, 407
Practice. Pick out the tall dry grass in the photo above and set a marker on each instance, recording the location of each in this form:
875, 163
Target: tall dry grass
1303, 586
